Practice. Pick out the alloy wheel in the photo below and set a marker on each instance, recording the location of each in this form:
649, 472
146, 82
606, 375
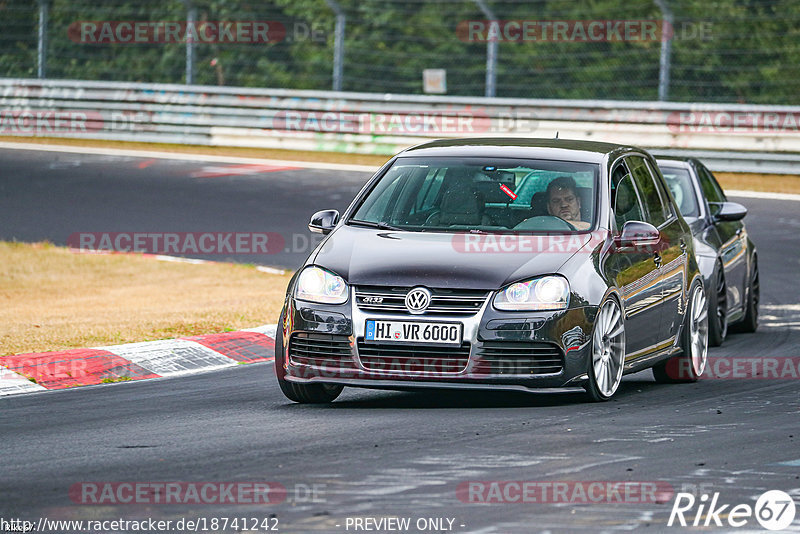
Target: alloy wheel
608, 348
698, 330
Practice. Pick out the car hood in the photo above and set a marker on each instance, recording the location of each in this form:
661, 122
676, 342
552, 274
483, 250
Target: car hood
365, 256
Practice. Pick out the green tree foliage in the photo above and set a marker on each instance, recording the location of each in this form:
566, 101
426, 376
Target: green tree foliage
722, 51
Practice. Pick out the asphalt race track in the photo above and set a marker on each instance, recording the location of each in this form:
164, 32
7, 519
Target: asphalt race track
376, 454
51, 195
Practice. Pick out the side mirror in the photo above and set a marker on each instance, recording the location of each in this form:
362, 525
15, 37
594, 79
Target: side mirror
637, 234
730, 211
323, 221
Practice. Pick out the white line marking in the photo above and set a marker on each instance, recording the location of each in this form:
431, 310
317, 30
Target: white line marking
172, 357
269, 270
763, 194
189, 157
175, 259
787, 307
267, 329
11, 383
576, 469
791, 326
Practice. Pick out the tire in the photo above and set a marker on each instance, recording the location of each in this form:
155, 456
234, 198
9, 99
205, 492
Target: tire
718, 310
750, 322
301, 393
607, 355
690, 364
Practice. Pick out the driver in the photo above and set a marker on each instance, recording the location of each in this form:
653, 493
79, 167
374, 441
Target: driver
563, 201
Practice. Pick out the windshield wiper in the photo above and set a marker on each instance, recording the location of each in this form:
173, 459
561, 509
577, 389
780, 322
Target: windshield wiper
370, 224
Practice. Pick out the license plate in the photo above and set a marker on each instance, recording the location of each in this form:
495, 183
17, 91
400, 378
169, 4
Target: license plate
413, 332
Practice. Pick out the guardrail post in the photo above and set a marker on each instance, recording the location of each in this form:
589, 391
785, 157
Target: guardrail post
191, 18
338, 44
41, 57
491, 50
667, 29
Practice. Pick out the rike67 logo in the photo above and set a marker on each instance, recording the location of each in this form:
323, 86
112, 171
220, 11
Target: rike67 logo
774, 510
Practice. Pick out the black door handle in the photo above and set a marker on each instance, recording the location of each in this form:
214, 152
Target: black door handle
683, 245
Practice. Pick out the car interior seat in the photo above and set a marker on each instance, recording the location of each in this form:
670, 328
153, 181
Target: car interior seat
539, 204
461, 204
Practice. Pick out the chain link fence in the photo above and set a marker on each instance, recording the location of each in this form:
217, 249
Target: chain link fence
745, 51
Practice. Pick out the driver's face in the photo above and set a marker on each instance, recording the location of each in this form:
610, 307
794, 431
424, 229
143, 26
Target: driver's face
565, 204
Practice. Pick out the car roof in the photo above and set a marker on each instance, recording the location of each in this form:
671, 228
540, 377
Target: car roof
518, 147
686, 161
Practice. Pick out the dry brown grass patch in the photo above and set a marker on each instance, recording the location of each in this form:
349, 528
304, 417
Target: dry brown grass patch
54, 299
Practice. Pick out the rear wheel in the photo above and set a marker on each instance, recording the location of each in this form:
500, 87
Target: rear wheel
302, 393
694, 344
608, 352
718, 311
750, 322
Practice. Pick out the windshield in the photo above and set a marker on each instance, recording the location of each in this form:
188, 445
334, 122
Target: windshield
680, 185
482, 195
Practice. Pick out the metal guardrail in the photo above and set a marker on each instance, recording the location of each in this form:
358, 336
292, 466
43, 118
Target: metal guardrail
728, 137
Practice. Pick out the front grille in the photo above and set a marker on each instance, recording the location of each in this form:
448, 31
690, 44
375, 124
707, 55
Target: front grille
443, 301
321, 350
512, 358
400, 358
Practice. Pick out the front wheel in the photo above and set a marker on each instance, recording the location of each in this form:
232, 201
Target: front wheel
302, 393
608, 352
694, 344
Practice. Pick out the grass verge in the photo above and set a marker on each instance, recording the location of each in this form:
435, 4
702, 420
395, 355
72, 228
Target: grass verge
768, 183
54, 299
239, 152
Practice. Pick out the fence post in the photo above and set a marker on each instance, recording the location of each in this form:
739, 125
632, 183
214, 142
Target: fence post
191, 18
491, 50
338, 44
667, 29
41, 57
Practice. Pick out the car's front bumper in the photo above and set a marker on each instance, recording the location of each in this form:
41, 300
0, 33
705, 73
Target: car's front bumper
501, 350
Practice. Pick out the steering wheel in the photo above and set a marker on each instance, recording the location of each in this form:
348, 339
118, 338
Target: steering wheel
432, 216
545, 222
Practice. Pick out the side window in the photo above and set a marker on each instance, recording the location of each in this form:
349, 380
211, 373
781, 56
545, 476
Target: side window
378, 205
618, 174
654, 210
666, 203
711, 189
626, 202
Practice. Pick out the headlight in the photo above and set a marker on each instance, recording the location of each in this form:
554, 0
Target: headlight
545, 293
318, 285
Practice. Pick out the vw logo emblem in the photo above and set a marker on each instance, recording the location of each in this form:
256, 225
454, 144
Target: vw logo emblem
418, 300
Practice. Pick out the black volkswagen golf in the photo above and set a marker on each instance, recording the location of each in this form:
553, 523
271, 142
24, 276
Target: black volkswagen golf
513, 264
726, 255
